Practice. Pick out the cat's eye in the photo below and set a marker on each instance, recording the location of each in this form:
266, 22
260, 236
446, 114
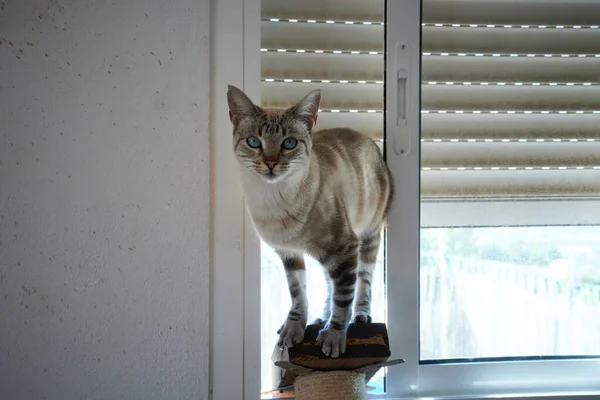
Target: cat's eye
253, 142
289, 143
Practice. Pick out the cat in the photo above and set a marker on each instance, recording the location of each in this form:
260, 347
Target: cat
323, 193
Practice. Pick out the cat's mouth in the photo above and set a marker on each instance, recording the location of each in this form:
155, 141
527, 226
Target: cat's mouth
270, 175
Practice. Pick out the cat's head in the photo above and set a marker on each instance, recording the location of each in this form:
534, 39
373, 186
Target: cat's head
274, 144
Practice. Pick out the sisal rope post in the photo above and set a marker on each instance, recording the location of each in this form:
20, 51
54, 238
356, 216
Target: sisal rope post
333, 385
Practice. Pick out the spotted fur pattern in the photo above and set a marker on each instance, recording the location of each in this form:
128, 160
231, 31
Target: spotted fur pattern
322, 193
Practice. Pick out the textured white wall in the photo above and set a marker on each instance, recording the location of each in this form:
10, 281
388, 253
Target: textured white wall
104, 199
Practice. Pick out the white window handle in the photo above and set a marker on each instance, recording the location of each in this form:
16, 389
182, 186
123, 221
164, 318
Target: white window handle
401, 137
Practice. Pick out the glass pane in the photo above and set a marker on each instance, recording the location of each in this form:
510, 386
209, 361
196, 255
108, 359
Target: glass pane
510, 292
336, 46
509, 112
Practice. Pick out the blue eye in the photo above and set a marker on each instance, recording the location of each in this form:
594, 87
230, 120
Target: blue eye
253, 142
290, 143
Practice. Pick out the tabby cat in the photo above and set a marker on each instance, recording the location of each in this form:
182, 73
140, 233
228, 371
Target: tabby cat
322, 193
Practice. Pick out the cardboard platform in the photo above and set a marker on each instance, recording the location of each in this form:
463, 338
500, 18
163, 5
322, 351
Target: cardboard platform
366, 344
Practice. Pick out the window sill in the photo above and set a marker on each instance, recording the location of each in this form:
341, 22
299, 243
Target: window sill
510, 396
584, 395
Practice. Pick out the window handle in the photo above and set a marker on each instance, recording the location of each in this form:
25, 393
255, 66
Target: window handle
402, 85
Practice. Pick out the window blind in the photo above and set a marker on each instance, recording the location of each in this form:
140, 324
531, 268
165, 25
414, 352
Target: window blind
510, 92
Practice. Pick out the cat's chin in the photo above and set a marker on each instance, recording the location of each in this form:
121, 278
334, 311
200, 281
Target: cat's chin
271, 177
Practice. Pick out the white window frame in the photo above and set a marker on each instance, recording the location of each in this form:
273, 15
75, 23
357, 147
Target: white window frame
465, 380
235, 248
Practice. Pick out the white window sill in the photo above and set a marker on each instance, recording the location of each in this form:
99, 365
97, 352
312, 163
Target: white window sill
511, 396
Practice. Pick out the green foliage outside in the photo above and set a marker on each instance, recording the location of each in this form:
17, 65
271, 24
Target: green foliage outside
526, 246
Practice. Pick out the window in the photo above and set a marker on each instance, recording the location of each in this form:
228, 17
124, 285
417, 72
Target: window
509, 111
492, 130
494, 292
504, 169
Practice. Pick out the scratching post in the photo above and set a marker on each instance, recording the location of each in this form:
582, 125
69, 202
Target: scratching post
313, 376
334, 385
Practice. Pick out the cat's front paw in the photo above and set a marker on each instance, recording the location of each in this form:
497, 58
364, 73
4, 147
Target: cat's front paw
333, 341
291, 333
362, 317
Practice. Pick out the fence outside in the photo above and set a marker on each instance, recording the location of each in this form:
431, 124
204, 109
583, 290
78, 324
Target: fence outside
478, 308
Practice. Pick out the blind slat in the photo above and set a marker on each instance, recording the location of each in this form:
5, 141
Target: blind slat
322, 66
508, 184
511, 127
324, 9
548, 12
442, 96
515, 69
311, 36
501, 40
511, 154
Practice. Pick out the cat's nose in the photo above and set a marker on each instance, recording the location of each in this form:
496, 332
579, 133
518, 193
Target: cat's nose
271, 164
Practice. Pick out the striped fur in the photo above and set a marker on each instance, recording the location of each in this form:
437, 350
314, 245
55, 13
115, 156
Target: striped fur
327, 197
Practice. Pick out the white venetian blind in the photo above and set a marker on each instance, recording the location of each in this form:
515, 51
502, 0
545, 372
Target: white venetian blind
510, 91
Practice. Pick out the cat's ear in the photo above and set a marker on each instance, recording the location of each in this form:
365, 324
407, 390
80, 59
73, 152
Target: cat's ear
307, 109
240, 105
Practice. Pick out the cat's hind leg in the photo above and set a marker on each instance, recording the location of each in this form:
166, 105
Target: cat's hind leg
292, 330
367, 258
